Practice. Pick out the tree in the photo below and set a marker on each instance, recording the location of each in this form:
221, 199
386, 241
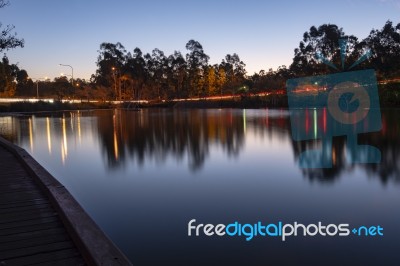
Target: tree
196, 60
177, 75
158, 76
234, 70
110, 63
196, 56
8, 39
8, 74
324, 40
385, 49
62, 87
211, 80
136, 70
221, 79
157, 66
24, 84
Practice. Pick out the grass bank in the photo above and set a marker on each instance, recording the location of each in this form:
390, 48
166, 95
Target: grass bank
42, 106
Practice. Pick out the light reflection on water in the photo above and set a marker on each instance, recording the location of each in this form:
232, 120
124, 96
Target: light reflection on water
143, 175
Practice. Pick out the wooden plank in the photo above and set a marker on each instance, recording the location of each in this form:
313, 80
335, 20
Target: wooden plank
28, 251
19, 186
23, 203
13, 209
31, 229
29, 225
24, 209
76, 261
32, 190
31, 234
13, 179
27, 215
15, 172
33, 242
51, 258
20, 196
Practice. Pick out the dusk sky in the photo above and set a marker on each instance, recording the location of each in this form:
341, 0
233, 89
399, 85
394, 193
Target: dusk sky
263, 33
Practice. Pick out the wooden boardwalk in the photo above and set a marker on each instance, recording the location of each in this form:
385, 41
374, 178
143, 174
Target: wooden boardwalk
41, 223
31, 232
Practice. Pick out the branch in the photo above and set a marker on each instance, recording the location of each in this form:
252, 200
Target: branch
9, 40
4, 3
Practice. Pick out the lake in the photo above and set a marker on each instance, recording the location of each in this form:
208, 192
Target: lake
143, 175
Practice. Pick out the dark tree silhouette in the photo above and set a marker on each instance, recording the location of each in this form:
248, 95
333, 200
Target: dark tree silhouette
325, 40
8, 39
385, 48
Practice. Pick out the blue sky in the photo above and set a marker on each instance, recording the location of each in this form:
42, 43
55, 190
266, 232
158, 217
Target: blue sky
263, 33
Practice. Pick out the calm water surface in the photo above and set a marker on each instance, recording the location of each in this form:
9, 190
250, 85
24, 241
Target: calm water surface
144, 175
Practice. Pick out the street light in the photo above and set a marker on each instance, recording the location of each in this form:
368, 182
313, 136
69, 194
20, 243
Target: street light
72, 70
72, 76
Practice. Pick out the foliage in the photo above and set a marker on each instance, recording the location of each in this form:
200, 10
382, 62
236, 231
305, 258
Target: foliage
162, 77
8, 39
133, 75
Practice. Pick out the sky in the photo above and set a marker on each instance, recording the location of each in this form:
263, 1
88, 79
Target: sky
263, 33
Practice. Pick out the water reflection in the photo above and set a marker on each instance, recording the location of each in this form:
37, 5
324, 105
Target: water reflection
43, 130
387, 141
127, 137
130, 170
48, 134
156, 135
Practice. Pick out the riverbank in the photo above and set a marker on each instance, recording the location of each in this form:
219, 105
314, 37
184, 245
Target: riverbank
389, 97
236, 102
40, 106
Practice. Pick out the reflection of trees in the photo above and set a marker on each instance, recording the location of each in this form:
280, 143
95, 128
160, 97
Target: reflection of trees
156, 134
323, 174
387, 141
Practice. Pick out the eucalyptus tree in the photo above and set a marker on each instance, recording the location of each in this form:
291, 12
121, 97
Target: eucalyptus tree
234, 71
324, 41
110, 66
196, 60
385, 50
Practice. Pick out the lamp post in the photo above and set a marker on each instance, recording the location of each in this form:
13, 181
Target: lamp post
72, 70
72, 78
37, 85
115, 81
117, 73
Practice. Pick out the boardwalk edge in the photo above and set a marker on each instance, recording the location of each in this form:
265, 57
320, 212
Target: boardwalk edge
91, 241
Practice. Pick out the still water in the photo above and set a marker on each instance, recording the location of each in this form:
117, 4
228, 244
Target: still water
142, 176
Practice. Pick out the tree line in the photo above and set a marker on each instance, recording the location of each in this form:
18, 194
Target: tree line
158, 76
162, 77
134, 75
